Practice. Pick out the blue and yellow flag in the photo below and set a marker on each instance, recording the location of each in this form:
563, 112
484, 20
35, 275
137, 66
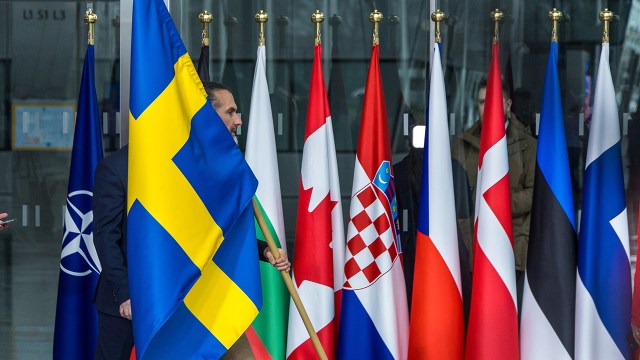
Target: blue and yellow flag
193, 270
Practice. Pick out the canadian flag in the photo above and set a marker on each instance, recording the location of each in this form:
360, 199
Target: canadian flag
319, 242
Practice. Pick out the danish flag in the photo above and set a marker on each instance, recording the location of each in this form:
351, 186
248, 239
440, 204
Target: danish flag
493, 319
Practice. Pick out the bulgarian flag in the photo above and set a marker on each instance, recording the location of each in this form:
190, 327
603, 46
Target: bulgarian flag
268, 333
319, 244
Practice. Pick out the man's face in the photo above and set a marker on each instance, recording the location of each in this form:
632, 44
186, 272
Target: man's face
228, 111
482, 94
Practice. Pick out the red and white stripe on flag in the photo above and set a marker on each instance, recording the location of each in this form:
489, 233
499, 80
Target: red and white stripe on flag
493, 320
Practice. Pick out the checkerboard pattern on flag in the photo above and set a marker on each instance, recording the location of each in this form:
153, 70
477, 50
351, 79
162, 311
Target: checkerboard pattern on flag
493, 319
374, 317
319, 245
372, 250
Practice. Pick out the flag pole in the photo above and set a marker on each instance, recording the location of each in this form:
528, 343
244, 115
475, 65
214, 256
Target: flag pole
605, 16
376, 17
496, 16
90, 18
437, 17
317, 17
205, 18
261, 18
289, 283
555, 16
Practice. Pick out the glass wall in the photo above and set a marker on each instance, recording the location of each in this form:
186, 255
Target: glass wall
405, 51
42, 46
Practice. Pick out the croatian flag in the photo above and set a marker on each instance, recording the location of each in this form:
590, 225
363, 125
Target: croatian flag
603, 287
374, 321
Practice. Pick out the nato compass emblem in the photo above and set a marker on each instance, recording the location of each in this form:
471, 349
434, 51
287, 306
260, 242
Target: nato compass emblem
79, 256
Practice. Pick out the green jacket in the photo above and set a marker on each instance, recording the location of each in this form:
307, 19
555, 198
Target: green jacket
521, 147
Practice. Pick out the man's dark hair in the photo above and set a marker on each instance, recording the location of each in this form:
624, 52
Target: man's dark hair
506, 91
211, 87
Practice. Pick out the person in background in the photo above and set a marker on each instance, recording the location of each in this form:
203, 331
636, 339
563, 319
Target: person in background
521, 148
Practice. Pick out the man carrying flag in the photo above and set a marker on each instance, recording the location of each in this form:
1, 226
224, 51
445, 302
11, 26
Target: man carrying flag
193, 277
493, 319
76, 321
603, 286
548, 305
374, 320
437, 324
319, 246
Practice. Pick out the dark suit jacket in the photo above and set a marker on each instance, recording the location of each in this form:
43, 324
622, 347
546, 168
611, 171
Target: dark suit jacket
110, 231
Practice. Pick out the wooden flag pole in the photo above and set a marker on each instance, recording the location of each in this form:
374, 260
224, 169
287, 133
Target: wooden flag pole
261, 18
288, 282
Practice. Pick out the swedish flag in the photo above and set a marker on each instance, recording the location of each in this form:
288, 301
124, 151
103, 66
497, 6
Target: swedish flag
193, 270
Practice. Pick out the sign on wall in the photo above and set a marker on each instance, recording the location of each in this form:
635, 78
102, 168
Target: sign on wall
42, 126
44, 49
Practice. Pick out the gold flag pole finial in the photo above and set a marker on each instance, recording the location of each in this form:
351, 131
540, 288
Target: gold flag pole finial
261, 18
496, 16
376, 17
555, 16
90, 18
317, 18
437, 17
205, 18
606, 16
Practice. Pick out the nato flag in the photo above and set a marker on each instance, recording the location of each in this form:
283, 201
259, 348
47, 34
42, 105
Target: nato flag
76, 326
